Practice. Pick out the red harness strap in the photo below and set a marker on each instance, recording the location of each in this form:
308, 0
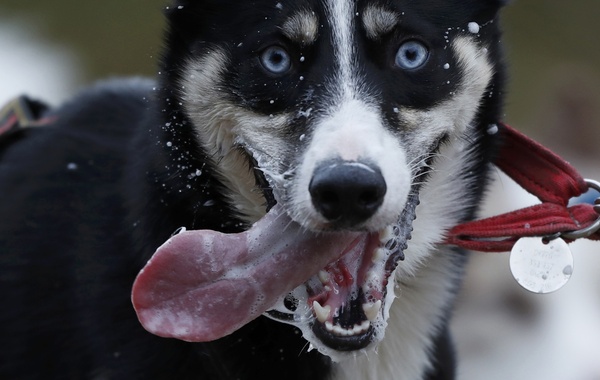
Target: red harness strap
546, 176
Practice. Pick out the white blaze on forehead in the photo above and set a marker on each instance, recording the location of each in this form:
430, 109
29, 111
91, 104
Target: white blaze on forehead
352, 133
351, 129
378, 21
341, 16
302, 27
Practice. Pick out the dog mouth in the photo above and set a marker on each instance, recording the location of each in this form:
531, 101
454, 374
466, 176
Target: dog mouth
348, 298
344, 306
336, 287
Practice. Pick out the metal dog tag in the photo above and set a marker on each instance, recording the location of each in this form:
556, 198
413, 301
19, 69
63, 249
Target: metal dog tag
541, 266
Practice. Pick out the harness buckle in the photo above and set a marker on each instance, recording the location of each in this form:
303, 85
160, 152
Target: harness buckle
592, 228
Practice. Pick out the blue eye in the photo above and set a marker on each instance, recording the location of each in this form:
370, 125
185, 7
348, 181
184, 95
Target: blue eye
276, 60
411, 55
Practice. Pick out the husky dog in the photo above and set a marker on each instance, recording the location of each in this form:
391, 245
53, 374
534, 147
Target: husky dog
372, 120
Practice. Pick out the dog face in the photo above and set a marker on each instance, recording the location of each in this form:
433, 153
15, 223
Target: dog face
359, 93
343, 106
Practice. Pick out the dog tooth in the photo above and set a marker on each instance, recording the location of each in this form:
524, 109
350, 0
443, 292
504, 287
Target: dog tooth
340, 331
363, 327
386, 234
329, 326
323, 276
336, 330
372, 310
322, 312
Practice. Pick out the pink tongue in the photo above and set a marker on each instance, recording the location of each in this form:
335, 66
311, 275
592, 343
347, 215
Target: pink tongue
202, 285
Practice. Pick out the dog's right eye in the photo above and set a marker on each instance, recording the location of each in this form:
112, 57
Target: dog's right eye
276, 60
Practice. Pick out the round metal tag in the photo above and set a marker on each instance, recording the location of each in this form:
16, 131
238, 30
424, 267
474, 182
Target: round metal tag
539, 266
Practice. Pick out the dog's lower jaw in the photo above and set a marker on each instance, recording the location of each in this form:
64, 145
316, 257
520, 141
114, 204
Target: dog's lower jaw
414, 321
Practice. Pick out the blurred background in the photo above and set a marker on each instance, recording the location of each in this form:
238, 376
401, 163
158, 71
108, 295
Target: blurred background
50, 49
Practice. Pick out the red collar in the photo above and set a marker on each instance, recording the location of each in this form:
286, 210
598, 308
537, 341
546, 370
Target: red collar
553, 181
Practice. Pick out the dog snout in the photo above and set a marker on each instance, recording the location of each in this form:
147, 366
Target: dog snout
347, 193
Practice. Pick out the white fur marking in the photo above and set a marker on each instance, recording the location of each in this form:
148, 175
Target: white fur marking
456, 113
378, 21
341, 14
223, 127
302, 27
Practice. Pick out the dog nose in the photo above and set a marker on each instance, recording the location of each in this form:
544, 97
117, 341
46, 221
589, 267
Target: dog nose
346, 192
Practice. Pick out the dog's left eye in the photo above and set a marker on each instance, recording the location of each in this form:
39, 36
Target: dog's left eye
412, 55
276, 60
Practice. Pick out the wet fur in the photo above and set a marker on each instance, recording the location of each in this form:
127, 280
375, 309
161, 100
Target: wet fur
152, 157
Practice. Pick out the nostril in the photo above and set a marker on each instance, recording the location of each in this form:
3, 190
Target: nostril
369, 196
328, 196
347, 192
326, 199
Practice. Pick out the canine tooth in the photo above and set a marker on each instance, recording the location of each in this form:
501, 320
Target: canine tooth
372, 310
329, 326
323, 276
322, 313
386, 234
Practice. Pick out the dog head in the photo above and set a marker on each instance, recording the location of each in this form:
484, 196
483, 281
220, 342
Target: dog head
343, 107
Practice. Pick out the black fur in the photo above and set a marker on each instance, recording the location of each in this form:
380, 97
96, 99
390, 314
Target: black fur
85, 201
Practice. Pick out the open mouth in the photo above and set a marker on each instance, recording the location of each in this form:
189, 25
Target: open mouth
348, 298
345, 304
336, 287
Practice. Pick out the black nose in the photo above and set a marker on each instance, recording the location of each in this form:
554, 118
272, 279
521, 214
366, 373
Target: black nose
346, 192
